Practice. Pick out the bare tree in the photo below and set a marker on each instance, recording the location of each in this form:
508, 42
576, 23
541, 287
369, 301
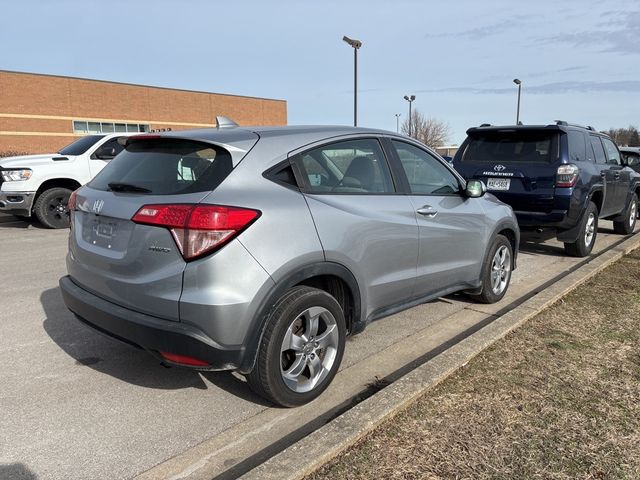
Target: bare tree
625, 137
428, 130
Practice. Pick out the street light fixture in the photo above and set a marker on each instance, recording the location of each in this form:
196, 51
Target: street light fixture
410, 99
518, 82
398, 122
356, 44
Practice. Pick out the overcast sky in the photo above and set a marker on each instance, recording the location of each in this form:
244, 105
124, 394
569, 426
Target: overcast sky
578, 60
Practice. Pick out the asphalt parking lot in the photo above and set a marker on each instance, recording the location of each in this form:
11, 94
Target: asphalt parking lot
77, 405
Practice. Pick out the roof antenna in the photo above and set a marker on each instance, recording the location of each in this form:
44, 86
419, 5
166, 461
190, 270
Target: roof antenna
224, 122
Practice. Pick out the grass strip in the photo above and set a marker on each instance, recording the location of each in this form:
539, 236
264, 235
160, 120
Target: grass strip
557, 399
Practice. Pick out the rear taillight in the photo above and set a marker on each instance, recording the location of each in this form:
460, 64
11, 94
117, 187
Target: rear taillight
71, 204
71, 207
198, 229
566, 176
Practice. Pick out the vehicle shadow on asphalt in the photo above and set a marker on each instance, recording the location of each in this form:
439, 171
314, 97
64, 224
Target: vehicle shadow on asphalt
534, 243
92, 349
17, 471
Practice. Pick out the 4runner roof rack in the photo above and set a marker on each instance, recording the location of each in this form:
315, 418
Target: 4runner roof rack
567, 124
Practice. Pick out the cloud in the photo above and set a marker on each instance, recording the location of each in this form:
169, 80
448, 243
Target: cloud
629, 86
619, 33
484, 31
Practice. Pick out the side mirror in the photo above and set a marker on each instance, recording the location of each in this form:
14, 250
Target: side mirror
475, 189
630, 160
105, 153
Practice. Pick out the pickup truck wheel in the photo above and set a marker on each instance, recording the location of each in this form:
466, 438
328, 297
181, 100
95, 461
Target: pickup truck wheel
626, 226
301, 349
51, 208
496, 271
588, 232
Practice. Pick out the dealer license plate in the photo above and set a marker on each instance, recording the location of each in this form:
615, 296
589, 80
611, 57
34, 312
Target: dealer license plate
498, 183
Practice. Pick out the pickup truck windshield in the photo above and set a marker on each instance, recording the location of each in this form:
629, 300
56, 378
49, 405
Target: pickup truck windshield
81, 145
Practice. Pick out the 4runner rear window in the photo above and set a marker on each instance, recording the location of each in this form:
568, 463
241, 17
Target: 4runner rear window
512, 146
165, 167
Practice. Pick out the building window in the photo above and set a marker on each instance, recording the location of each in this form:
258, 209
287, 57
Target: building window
81, 126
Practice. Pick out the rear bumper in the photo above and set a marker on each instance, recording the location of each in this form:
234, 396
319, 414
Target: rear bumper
147, 332
555, 219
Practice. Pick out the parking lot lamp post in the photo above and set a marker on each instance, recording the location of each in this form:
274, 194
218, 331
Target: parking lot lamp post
356, 44
398, 122
410, 99
519, 83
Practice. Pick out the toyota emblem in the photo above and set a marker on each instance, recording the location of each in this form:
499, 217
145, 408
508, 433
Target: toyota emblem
499, 168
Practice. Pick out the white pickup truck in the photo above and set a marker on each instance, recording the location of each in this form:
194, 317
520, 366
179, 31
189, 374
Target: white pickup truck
40, 185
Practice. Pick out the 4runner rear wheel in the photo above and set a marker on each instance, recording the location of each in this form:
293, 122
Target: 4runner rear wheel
588, 232
51, 208
626, 226
301, 348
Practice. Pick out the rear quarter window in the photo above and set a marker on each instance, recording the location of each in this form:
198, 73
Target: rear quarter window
577, 146
167, 167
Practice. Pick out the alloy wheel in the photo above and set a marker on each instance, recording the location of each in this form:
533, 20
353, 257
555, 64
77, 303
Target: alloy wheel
590, 229
309, 349
500, 270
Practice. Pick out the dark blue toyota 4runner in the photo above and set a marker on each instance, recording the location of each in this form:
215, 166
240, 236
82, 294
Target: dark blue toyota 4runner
561, 177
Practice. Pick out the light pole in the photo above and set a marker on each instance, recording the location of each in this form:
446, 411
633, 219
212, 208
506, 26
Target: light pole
410, 99
519, 83
356, 44
398, 122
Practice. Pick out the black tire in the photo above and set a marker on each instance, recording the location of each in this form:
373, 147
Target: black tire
625, 227
588, 233
51, 208
489, 293
267, 378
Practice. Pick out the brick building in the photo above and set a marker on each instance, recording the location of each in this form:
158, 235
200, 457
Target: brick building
42, 113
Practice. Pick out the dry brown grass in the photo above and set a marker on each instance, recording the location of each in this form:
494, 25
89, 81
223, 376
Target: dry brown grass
557, 399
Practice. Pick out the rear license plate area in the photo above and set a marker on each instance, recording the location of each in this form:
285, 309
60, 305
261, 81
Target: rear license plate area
498, 183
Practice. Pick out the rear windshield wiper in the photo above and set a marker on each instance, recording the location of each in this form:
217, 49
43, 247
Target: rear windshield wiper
127, 187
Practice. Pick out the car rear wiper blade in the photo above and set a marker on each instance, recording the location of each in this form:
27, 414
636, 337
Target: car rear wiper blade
127, 187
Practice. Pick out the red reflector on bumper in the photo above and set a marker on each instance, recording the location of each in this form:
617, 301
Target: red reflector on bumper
183, 359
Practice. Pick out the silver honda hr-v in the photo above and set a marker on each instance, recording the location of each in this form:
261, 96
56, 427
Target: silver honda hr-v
260, 249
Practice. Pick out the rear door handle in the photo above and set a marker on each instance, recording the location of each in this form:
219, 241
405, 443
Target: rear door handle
427, 211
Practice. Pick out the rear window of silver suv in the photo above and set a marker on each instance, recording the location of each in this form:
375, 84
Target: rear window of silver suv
165, 167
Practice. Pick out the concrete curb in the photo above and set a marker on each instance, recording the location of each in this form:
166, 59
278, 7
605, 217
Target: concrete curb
321, 446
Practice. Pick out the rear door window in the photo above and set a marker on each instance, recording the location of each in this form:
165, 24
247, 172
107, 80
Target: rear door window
165, 167
353, 166
512, 147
